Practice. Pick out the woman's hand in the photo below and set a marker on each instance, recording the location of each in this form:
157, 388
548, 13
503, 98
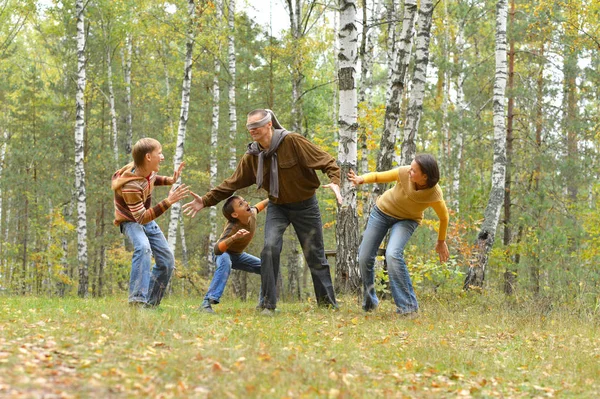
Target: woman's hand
354, 178
442, 249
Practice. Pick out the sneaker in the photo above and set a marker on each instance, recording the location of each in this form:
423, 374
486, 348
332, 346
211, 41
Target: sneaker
408, 315
268, 312
205, 307
137, 304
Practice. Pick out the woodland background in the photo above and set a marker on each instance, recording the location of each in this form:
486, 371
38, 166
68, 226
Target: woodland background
186, 73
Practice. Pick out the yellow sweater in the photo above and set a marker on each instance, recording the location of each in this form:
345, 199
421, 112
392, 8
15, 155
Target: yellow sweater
403, 201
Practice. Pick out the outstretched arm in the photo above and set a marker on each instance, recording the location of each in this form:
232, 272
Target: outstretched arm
440, 247
194, 206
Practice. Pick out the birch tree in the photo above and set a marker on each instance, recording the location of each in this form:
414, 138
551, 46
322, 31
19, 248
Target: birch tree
126, 64
183, 118
417, 93
214, 134
111, 96
347, 276
82, 251
485, 237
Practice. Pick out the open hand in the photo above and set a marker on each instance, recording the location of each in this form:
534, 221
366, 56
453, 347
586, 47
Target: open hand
442, 249
240, 233
177, 193
178, 172
336, 190
193, 207
354, 178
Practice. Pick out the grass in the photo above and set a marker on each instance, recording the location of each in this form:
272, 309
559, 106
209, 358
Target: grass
468, 346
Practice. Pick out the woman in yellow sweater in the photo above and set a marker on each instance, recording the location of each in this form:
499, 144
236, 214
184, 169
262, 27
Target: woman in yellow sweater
400, 210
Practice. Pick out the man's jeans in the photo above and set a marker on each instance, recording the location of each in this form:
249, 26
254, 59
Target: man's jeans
306, 219
400, 284
225, 262
148, 240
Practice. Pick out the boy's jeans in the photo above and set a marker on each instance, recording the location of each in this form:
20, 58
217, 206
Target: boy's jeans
148, 240
400, 284
225, 262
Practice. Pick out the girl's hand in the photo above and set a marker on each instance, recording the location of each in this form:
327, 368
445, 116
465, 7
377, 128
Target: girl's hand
442, 249
354, 178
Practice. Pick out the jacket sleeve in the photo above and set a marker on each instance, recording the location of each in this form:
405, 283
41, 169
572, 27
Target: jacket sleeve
243, 176
442, 211
313, 157
132, 195
225, 241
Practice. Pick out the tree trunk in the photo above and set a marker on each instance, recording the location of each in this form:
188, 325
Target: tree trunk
457, 146
183, 119
417, 93
347, 276
82, 251
2, 218
232, 71
214, 136
485, 238
510, 274
126, 62
295, 15
111, 100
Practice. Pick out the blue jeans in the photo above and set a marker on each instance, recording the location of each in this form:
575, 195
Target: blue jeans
225, 262
305, 216
402, 289
148, 240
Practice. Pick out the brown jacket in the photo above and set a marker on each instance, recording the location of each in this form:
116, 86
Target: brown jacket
298, 159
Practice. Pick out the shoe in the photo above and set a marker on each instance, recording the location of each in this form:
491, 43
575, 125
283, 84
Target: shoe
408, 315
268, 312
137, 304
205, 307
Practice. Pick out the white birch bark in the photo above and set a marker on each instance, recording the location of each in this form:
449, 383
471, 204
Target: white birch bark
2, 157
167, 89
485, 238
347, 276
82, 251
111, 100
232, 71
417, 93
183, 119
336, 67
214, 134
457, 146
126, 63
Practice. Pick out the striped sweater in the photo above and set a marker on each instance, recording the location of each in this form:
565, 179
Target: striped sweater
133, 196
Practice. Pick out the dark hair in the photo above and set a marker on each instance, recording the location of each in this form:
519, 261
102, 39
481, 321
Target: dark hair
228, 207
262, 113
141, 148
429, 167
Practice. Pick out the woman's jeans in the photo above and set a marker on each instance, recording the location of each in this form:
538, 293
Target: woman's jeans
305, 216
402, 289
148, 240
225, 262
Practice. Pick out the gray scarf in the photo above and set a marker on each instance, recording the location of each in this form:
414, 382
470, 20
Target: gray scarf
279, 134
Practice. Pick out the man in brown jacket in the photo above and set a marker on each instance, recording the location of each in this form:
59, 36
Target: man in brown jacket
283, 164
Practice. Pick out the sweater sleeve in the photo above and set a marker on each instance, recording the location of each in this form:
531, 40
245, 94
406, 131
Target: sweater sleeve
442, 211
164, 181
133, 197
243, 176
261, 205
226, 240
315, 158
381, 177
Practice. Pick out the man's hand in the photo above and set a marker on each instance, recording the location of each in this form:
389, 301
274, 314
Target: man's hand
177, 193
239, 234
193, 207
178, 172
336, 189
442, 249
354, 178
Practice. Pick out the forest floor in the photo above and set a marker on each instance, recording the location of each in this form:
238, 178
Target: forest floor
460, 346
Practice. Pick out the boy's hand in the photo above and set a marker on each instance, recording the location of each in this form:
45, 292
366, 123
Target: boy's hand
178, 193
178, 172
192, 208
336, 190
354, 178
239, 234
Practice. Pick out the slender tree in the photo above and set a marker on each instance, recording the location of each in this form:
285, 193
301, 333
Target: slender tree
126, 64
82, 250
183, 118
417, 93
347, 276
487, 233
